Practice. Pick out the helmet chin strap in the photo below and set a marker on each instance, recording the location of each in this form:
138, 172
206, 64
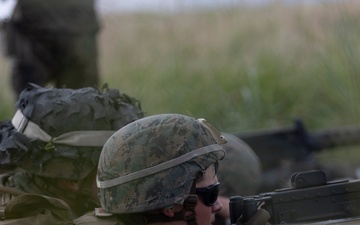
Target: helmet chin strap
189, 206
187, 213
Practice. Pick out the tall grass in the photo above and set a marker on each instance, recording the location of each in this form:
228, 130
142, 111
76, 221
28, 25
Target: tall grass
240, 68
7, 98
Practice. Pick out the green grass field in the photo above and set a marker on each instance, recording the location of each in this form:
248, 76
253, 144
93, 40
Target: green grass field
240, 68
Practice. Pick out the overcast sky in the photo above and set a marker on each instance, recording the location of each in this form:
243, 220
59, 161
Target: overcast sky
161, 5
105, 6
173, 5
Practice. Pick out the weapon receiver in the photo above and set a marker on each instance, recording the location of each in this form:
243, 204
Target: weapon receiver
310, 199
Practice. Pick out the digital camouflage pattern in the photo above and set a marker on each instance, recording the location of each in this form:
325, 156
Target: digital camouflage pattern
240, 171
36, 210
146, 143
58, 111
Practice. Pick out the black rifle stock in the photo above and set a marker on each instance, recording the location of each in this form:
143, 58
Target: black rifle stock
296, 143
310, 199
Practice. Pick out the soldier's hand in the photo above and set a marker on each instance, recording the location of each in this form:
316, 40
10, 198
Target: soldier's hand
261, 217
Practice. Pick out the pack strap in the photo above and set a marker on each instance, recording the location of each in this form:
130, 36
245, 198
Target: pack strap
74, 138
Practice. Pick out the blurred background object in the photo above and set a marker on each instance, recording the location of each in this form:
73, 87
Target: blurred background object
240, 171
51, 42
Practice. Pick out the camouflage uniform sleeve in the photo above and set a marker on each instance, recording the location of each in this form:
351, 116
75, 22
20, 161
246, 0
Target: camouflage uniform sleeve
36, 209
91, 219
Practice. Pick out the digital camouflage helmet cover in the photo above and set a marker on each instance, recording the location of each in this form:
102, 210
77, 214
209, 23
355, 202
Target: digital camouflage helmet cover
152, 162
59, 133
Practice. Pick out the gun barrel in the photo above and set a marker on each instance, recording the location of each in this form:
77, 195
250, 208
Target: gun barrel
331, 138
296, 143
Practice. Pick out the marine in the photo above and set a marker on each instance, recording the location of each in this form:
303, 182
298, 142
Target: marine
161, 169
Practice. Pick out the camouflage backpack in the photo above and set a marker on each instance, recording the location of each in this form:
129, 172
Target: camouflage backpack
59, 133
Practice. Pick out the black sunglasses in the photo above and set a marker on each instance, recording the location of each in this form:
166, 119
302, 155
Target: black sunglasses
209, 194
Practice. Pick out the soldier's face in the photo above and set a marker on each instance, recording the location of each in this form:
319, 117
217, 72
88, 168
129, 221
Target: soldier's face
205, 213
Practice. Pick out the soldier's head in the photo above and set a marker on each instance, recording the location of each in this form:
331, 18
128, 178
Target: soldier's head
58, 134
240, 172
162, 166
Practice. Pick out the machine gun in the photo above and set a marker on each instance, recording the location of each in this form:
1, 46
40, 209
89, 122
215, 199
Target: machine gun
295, 144
310, 199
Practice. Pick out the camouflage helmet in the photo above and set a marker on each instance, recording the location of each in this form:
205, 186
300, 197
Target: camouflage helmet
152, 162
59, 133
240, 172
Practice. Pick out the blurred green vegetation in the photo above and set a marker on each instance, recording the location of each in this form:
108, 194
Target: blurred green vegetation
7, 100
240, 68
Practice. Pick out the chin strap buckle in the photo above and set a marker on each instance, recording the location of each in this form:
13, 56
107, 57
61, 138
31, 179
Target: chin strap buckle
189, 206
